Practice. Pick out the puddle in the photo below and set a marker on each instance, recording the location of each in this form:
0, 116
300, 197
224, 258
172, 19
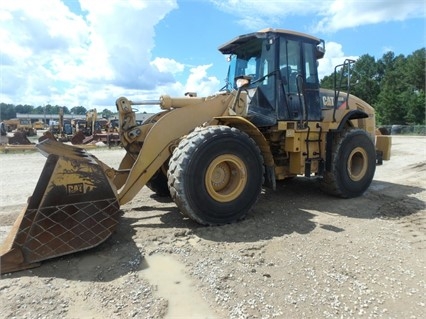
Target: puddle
167, 274
377, 187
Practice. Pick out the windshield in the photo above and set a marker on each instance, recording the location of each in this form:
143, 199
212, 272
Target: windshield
239, 67
253, 59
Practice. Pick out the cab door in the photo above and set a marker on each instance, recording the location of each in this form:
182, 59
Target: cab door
298, 85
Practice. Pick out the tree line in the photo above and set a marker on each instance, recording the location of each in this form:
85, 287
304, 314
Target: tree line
393, 85
9, 111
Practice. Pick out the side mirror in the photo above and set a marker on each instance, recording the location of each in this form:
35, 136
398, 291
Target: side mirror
242, 81
320, 50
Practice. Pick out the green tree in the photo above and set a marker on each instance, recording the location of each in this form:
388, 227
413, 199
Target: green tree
391, 106
415, 92
366, 79
24, 109
415, 70
327, 82
49, 109
402, 99
55, 109
38, 110
415, 102
66, 110
7, 111
79, 110
107, 113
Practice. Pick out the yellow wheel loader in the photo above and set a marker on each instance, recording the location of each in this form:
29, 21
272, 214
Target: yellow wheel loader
212, 155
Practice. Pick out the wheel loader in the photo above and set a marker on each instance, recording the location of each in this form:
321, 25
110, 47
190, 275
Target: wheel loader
212, 155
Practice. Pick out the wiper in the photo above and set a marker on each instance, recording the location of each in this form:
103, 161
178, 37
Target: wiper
263, 77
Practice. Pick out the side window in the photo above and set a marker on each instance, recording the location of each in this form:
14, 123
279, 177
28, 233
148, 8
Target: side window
251, 67
310, 63
290, 64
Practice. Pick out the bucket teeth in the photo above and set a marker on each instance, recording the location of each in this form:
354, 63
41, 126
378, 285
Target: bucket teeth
74, 207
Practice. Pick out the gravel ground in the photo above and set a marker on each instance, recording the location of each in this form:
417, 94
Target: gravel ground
299, 253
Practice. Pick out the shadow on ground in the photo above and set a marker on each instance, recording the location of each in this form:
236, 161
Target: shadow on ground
290, 209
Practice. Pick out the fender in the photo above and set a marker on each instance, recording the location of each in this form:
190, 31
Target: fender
351, 115
246, 126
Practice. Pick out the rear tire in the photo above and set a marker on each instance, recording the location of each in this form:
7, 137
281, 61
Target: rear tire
353, 165
215, 175
158, 184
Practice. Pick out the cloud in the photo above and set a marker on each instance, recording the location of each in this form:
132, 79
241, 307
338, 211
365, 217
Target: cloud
334, 55
93, 51
255, 15
167, 65
352, 13
333, 15
199, 82
51, 54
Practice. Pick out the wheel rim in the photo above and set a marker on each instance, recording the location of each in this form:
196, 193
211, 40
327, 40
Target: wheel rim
357, 164
226, 178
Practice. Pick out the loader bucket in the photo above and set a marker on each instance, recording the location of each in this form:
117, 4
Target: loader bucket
74, 207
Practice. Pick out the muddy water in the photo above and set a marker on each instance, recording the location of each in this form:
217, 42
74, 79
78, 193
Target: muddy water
168, 276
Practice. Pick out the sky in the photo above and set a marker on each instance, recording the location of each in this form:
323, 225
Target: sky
91, 52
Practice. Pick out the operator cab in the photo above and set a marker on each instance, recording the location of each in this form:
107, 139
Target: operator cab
281, 69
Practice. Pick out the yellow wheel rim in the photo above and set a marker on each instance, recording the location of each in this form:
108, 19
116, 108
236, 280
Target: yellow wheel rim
357, 164
226, 178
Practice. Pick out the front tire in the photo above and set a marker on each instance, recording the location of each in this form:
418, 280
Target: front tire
215, 175
353, 165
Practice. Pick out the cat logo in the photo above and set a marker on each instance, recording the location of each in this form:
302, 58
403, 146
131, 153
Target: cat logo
77, 188
328, 101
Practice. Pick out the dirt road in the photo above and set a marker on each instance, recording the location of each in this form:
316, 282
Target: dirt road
299, 253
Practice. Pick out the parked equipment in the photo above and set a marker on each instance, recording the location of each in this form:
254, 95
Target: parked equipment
212, 154
20, 125
20, 130
93, 130
39, 125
